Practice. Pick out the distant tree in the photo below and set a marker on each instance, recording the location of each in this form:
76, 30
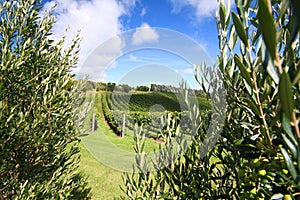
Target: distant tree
39, 152
90, 85
156, 88
110, 86
101, 86
123, 88
152, 87
142, 88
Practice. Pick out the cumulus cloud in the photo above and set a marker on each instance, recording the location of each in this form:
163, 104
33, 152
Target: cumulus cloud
203, 8
144, 34
97, 20
102, 58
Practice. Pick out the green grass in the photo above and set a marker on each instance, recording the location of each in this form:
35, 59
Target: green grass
103, 181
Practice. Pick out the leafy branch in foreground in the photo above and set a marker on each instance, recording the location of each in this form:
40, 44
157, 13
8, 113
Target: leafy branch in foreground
258, 153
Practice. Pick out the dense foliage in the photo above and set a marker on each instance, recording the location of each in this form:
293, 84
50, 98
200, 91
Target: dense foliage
38, 138
258, 153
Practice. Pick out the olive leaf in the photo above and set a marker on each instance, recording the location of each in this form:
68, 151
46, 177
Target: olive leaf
289, 163
286, 94
240, 29
296, 25
244, 72
267, 26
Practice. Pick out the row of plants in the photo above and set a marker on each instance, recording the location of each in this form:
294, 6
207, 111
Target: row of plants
144, 101
107, 112
155, 124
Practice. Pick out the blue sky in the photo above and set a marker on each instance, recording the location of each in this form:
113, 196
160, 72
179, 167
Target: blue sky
161, 13
105, 54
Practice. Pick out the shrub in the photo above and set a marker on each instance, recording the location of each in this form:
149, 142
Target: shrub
38, 138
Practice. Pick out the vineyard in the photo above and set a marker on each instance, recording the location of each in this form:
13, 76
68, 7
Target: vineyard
159, 113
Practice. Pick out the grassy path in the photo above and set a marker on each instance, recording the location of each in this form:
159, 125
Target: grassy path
104, 181
101, 148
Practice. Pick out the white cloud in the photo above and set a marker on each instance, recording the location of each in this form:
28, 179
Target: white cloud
143, 12
132, 58
103, 58
103, 78
187, 71
144, 34
98, 21
203, 8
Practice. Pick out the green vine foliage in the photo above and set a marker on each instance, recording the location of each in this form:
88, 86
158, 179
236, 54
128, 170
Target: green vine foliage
39, 153
258, 153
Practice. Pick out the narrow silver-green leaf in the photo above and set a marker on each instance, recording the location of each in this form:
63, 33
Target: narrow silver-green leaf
267, 26
287, 127
289, 163
277, 196
222, 15
232, 38
290, 145
240, 29
286, 94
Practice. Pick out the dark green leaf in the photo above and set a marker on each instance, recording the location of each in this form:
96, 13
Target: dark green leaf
265, 56
296, 25
286, 94
284, 6
236, 76
230, 68
243, 70
297, 77
240, 29
238, 141
267, 27
252, 105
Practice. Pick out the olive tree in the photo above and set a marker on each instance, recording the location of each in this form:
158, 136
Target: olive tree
39, 153
258, 153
